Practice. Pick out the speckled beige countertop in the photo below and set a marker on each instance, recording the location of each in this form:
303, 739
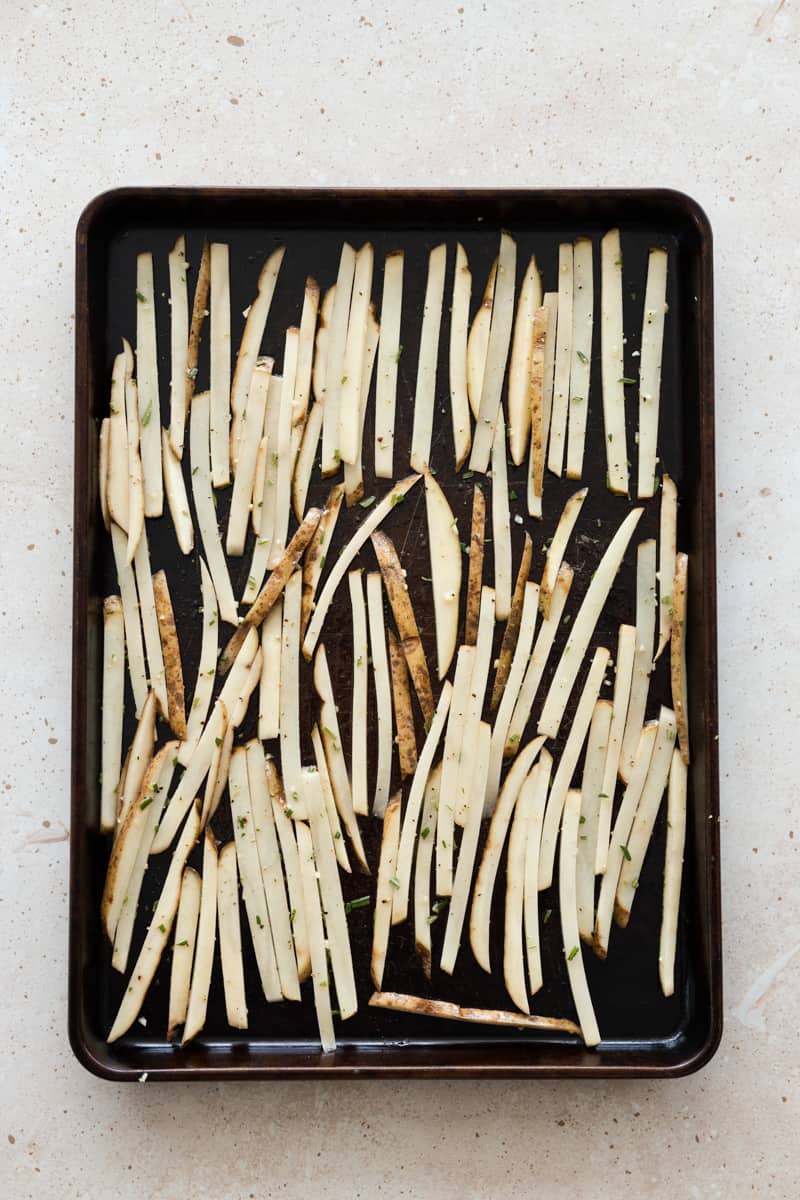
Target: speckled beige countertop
695, 96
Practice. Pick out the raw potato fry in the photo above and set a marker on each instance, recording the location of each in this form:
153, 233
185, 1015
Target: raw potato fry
612, 362
519, 410
173, 671
501, 522
319, 959
534, 794
302, 383
205, 506
496, 356
472, 716
591, 785
535, 397
177, 499
568, 911
459, 323
462, 882
304, 463
330, 801
569, 761
206, 668
389, 352
383, 691
230, 938
667, 549
511, 632
264, 485
425, 394
580, 370
423, 1007
250, 424
399, 599
504, 713
117, 489
673, 871
269, 722
423, 919
408, 836
626, 646
557, 548
217, 776
354, 472
199, 314
102, 469
321, 345
289, 719
250, 348
141, 752
538, 661
403, 714
445, 552
135, 480
374, 518
645, 819
334, 756
178, 344
291, 867
583, 627
334, 360
563, 360
475, 576
358, 742
205, 944
384, 896
643, 656
655, 308
283, 478
349, 442
550, 302
478, 343
318, 550
150, 628
192, 779
183, 951
147, 383
513, 957
112, 710
481, 911
130, 612
220, 366
252, 680
454, 745
678, 653
158, 932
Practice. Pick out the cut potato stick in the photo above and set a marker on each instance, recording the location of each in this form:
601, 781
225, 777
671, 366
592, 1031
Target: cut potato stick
462, 881
583, 626
251, 682
266, 476
580, 369
612, 362
139, 756
220, 365
135, 480
291, 867
132, 619
330, 801
147, 383
217, 776
157, 933
183, 951
511, 632
496, 356
178, 344
475, 576
305, 356
619, 838
374, 518
318, 550
230, 938
478, 343
117, 489
249, 348
623, 672
192, 779
643, 656
199, 314
477, 692
423, 919
206, 668
403, 713
655, 308
563, 361
177, 499
501, 522
311, 907
519, 409
389, 352
550, 302
349, 441
269, 706
383, 691
400, 601
321, 345
667, 549
568, 763
459, 324
513, 957
519, 663
205, 507
354, 471
171, 652
673, 871
358, 742
113, 707
533, 796
304, 462
334, 756
557, 548
568, 912
384, 896
334, 361
538, 661
272, 878
535, 398
102, 469
480, 915
250, 425
423, 1007
591, 785
678, 653
425, 394
205, 943
645, 819
408, 836
455, 744
283, 478
445, 551
150, 627
289, 719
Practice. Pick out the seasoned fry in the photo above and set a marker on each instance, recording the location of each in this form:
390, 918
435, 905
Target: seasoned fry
205, 944
139, 756
513, 957
312, 908
643, 656
536, 403
557, 548
302, 383
102, 470
192, 779
206, 668
283, 449
538, 661
331, 810
334, 756
568, 911
173, 671
269, 708
655, 308
591, 786
501, 522
117, 488
563, 360
304, 462
113, 709
135, 479
321, 345
454, 745
220, 366
334, 361
358, 741
496, 356
178, 345
318, 550
403, 714
399, 599
150, 627
250, 423
580, 369
673, 870
349, 441
534, 797
462, 882
383, 691
250, 348
205, 507
177, 499
183, 951
389, 351
423, 918
472, 716
132, 619
612, 362
425, 394
147, 383
511, 632
519, 370
623, 671
354, 471
384, 896
678, 653
217, 777
475, 576
422, 1007
230, 938
478, 343
459, 323
505, 711
199, 314
667, 549
291, 867
264, 490
445, 552
289, 720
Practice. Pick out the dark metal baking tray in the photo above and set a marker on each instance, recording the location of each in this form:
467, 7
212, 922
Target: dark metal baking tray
644, 1034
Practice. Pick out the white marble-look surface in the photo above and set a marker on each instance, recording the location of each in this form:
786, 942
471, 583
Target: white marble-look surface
696, 96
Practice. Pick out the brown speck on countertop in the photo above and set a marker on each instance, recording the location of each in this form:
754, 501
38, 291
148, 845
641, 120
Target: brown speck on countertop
235, 40
234, 100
